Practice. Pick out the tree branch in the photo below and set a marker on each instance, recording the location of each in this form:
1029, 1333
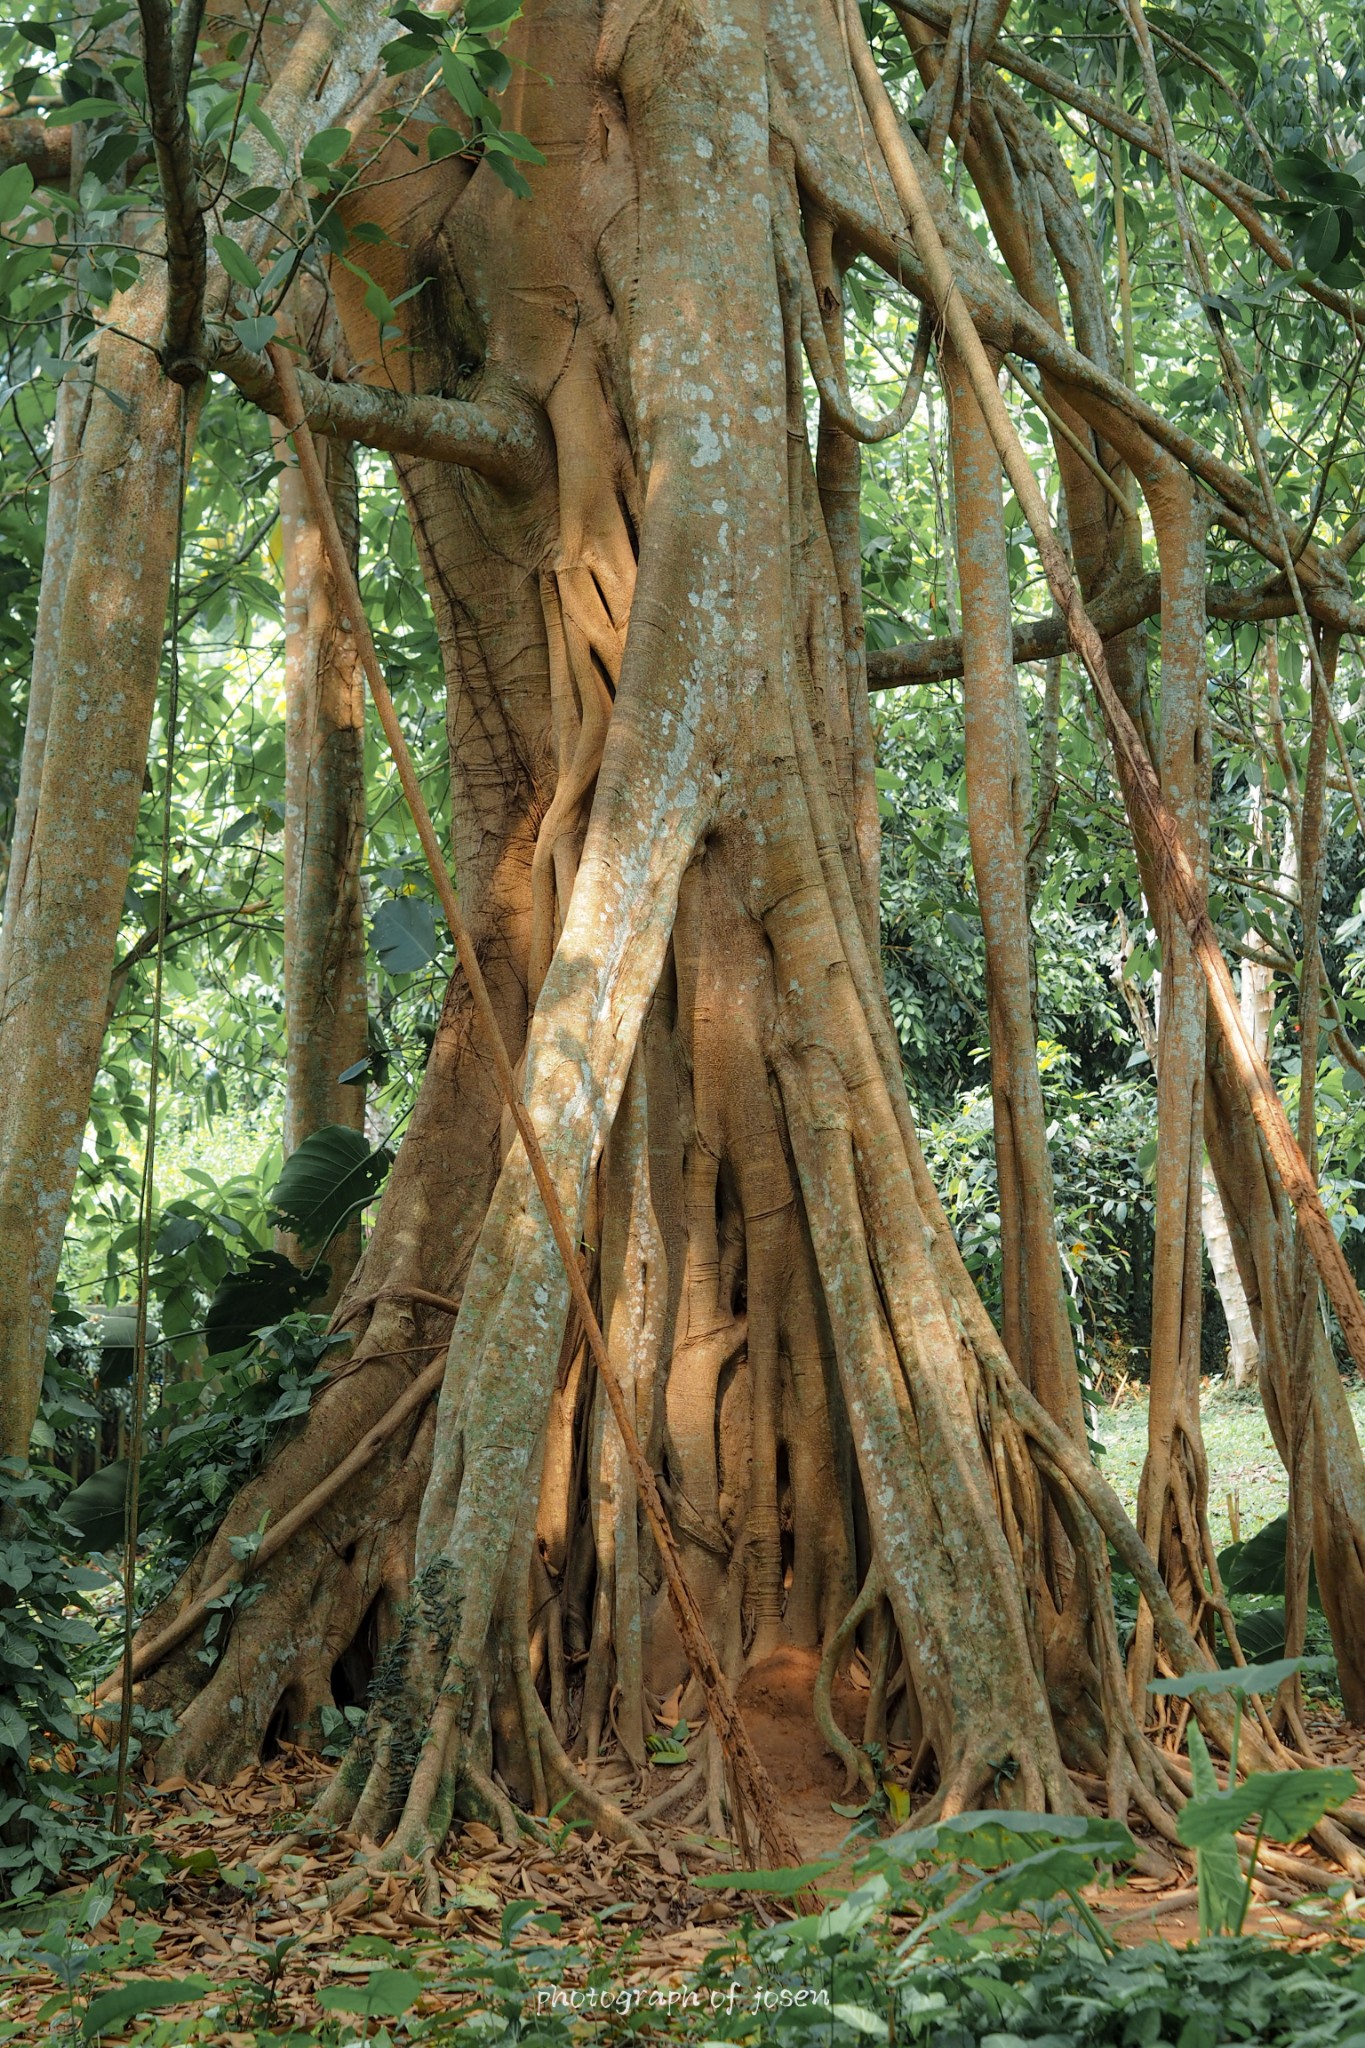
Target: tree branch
167, 49
1144, 799
506, 441
46, 151
1114, 611
1008, 324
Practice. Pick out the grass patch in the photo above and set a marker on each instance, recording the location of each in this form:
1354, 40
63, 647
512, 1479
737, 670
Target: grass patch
1242, 1457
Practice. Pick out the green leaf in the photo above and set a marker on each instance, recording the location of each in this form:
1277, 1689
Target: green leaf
96, 1508
387, 1994
248, 1299
255, 333
407, 54
106, 2014
330, 1175
327, 148
1289, 1804
1323, 242
1218, 1871
782, 1884
506, 142
1243, 1678
237, 263
378, 304
861, 2019
263, 125
16, 189
404, 934
487, 14
83, 110
457, 75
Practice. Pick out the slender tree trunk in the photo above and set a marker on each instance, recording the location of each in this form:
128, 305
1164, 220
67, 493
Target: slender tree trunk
1258, 1010
67, 915
59, 539
1243, 1350
1172, 1513
1035, 1325
326, 1023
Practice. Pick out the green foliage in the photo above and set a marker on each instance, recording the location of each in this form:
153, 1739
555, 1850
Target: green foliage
216, 1432
334, 1172
50, 1772
1285, 1804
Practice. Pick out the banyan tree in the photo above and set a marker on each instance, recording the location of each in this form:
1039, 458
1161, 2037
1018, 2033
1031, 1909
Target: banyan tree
600, 332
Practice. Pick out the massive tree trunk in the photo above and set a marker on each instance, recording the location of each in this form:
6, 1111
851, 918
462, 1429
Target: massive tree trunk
664, 824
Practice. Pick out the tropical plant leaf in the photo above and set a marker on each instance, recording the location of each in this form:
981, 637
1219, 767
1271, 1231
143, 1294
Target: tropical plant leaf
107, 2013
386, 1994
96, 1507
326, 1179
1288, 1804
405, 935
248, 1299
1240, 1678
1218, 1871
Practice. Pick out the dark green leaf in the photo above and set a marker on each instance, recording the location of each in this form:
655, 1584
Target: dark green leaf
326, 1179
404, 934
237, 263
96, 1508
107, 2013
1287, 1803
386, 1994
268, 1289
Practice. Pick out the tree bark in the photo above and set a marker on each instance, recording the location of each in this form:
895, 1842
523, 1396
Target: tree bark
326, 1023
70, 902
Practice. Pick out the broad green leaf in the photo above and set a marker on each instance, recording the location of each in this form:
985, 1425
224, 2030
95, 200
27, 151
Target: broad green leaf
1288, 1804
327, 1178
256, 333
83, 110
1241, 1678
782, 1884
487, 14
1324, 242
16, 189
861, 2019
248, 1299
458, 77
96, 1508
387, 1994
405, 935
1218, 1871
107, 2013
327, 148
236, 262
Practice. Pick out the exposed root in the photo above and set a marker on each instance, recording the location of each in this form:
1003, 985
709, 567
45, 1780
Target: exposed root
856, 1762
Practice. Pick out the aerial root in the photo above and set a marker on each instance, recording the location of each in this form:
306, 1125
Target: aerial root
857, 1764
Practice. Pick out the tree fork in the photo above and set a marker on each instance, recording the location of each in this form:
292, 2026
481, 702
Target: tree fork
751, 1777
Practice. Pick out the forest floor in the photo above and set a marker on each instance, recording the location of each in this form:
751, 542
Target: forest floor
234, 1924
234, 1921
